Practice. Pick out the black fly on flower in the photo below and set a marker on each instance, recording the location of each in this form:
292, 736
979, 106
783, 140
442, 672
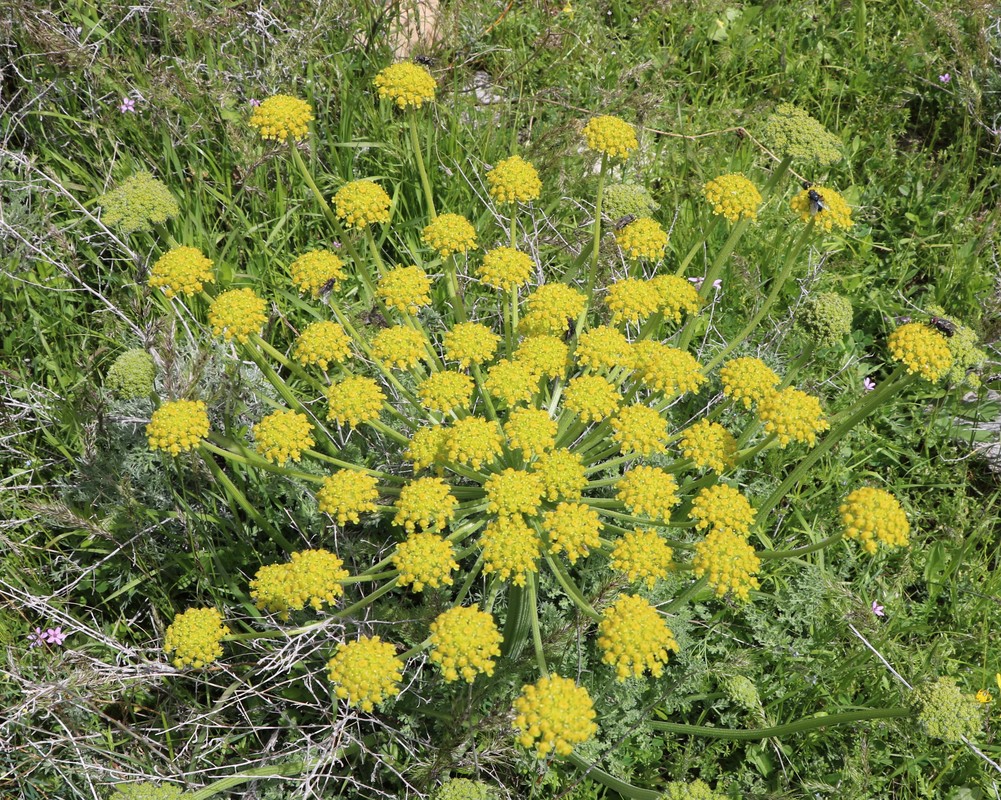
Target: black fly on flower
816, 201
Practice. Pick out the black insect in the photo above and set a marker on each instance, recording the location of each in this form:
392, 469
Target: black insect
943, 326
424, 61
816, 201
621, 222
571, 329
325, 289
807, 184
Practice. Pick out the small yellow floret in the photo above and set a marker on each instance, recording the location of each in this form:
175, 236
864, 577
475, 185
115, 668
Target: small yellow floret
283, 435
921, 349
634, 638
610, 135
425, 560
465, 642
553, 715
871, 516
514, 180
448, 234
407, 84
178, 426
237, 314
366, 672
195, 637
181, 270
282, 117
354, 400
348, 493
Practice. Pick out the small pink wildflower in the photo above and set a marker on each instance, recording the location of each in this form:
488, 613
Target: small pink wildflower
254, 102
55, 636
945, 78
37, 638
868, 384
877, 609
699, 281
128, 105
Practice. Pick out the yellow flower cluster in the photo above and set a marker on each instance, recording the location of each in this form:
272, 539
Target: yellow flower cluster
139, 203
427, 502
562, 474
445, 391
181, 270
643, 238
320, 343
237, 314
604, 348
573, 528
514, 180
405, 289
634, 638
366, 672
354, 400
648, 491
610, 135
677, 296
427, 447
195, 637
407, 84
723, 508
553, 715
639, 429
591, 397
552, 308
510, 548
709, 445
513, 492
425, 559
666, 369
362, 203
733, 196
748, 380
873, 515
346, 494
177, 426
317, 271
512, 381
312, 576
831, 212
530, 430
282, 117
728, 561
448, 234
632, 300
283, 435
921, 349
470, 343
399, 346
643, 556
546, 356
506, 268
473, 441
793, 415
464, 643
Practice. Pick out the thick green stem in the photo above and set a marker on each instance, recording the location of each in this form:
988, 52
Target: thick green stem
533, 602
592, 269
575, 594
800, 726
767, 555
415, 143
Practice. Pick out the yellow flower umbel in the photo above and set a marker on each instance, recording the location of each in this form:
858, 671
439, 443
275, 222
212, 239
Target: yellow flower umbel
793, 415
748, 380
666, 369
572, 528
354, 400
611, 136
406, 289
733, 196
591, 397
237, 314
648, 491
634, 638
729, 562
604, 348
139, 203
513, 492
195, 637
424, 502
551, 309
639, 429
553, 715
283, 435
510, 548
407, 84
505, 268
562, 474
399, 346
512, 381
317, 271
181, 270
832, 211
530, 430
546, 356
921, 349
790, 131
677, 296
470, 343
346, 494
425, 559
723, 508
514, 180
427, 447
312, 576
362, 203
281, 117
632, 300
445, 391
709, 445
473, 442
871, 516
366, 672
643, 556
448, 234
178, 426
643, 238
321, 343
984, 697
945, 712
464, 643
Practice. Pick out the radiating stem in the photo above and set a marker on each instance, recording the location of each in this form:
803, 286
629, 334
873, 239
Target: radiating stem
415, 143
